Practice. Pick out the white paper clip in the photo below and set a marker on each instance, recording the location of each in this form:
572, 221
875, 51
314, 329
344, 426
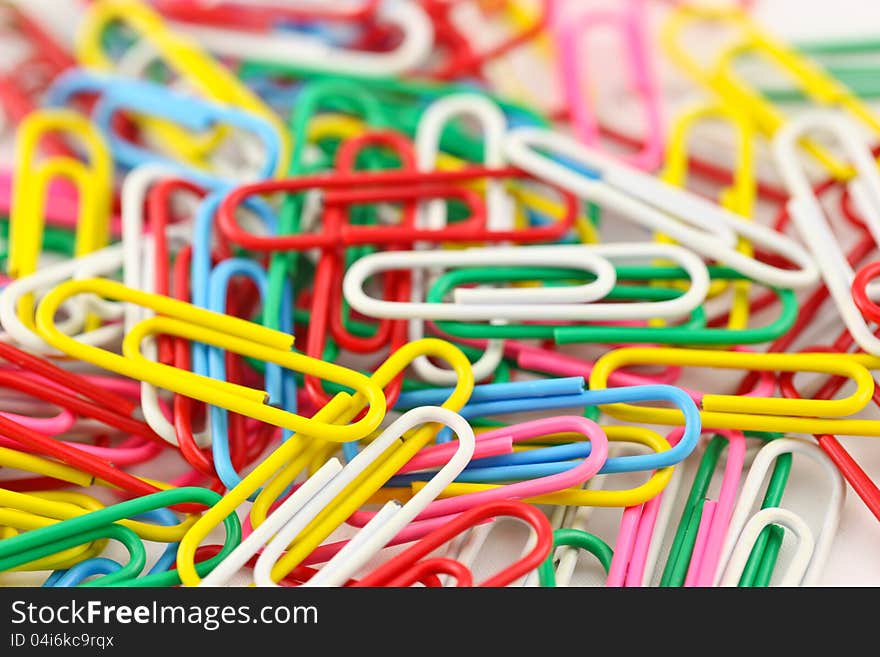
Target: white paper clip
379, 531
226, 569
738, 541
432, 214
573, 303
800, 561
695, 222
389, 520
138, 273
808, 215
103, 262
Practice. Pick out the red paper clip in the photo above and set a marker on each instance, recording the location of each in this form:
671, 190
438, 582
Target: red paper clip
85, 399
259, 16
327, 307
463, 60
346, 189
861, 483
247, 438
404, 569
22, 88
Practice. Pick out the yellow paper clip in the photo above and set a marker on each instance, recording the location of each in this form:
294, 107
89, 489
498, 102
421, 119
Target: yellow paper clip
746, 413
11, 458
22, 514
719, 76
291, 457
93, 180
187, 60
233, 334
739, 197
33, 511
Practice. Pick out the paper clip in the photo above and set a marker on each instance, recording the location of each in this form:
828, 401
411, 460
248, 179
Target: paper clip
286, 47
813, 304
857, 478
809, 560
62, 209
839, 58
84, 570
536, 462
279, 383
30, 512
47, 508
308, 500
738, 197
180, 56
80, 527
696, 549
103, 262
261, 16
500, 399
386, 523
402, 98
117, 94
692, 330
222, 436
579, 539
93, 180
656, 205
718, 76
371, 187
465, 60
757, 413
69, 390
696, 546
407, 567
344, 506
22, 88
575, 519
498, 205
357, 100
642, 528
137, 187
468, 548
809, 216
435, 118
562, 303
540, 485
628, 23
794, 575
68, 453
259, 537
328, 274
288, 460
187, 321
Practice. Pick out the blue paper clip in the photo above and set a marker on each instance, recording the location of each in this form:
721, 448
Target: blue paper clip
280, 383
118, 94
209, 291
569, 392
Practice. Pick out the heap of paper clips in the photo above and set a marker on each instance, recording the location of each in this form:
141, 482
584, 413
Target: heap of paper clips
321, 295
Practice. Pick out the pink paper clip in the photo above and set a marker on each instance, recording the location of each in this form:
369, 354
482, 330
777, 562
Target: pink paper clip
629, 23
636, 548
632, 551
